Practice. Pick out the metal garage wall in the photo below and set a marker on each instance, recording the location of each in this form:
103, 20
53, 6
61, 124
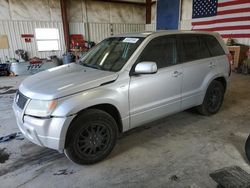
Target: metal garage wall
97, 32
95, 20
77, 28
14, 30
127, 28
150, 27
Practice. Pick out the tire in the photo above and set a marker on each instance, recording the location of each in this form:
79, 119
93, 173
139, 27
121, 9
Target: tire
91, 137
213, 99
247, 148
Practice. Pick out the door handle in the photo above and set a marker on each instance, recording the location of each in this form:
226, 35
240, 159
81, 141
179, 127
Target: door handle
176, 73
211, 65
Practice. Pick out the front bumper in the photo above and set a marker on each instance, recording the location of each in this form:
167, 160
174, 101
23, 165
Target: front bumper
47, 132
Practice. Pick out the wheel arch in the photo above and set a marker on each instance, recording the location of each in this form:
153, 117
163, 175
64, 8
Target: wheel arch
201, 109
108, 108
222, 80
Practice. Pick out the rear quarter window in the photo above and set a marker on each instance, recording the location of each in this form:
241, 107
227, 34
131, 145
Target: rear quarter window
213, 45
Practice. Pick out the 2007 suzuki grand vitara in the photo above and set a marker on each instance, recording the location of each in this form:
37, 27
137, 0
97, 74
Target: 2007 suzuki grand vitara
123, 82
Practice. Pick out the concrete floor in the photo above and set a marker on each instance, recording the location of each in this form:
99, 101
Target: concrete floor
178, 151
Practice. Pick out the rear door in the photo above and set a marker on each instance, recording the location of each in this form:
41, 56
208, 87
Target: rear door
218, 53
197, 64
152, 96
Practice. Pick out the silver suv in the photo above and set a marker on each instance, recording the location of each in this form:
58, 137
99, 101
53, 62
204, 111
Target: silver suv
123, 82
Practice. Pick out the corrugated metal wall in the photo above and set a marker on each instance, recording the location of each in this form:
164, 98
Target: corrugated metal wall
77, 28
96, 32
150, 27
127, 28
14, 30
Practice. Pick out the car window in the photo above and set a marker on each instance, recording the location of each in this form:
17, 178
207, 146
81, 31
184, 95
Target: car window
204, 51
192, 48
111, 54
160, 50
213, 45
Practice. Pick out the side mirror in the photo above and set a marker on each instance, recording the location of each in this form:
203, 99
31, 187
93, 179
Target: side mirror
146, 67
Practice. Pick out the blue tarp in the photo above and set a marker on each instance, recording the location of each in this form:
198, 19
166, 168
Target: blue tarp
168, 14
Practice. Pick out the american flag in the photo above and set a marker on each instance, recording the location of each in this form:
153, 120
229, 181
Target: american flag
231, 18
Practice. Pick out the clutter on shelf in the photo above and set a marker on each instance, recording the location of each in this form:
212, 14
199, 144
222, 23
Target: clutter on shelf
239, 55
34, 65
245, 66
4, 69
22, 64
25, 66
23, 55
78, 47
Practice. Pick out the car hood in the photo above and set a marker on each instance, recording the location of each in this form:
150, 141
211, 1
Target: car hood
64, 80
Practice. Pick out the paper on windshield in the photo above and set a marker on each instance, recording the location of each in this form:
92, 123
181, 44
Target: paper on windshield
130, 40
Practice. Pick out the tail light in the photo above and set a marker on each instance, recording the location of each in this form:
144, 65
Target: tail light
230, 62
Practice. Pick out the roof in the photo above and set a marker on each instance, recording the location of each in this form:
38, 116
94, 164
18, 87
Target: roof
159, 32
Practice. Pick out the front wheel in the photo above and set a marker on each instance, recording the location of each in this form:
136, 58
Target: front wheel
91, 138
213, 99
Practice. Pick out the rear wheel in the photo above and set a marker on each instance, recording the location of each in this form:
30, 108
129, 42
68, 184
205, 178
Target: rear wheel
213, 99
91, 138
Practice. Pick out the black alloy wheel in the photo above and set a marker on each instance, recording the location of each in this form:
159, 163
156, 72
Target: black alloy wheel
91, 137
213, 99
92, 140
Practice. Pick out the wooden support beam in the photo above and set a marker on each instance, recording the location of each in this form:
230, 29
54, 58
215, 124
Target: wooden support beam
65, 24
148, 11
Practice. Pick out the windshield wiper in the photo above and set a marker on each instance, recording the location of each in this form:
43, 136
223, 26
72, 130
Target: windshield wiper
92, 66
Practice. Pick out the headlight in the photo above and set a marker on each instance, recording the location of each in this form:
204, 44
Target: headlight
40, 108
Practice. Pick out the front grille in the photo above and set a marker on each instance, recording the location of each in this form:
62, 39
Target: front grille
20, 100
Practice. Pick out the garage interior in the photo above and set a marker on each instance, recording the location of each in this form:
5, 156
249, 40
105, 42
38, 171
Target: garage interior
180, 150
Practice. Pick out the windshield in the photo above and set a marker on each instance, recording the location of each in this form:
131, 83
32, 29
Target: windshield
111, 54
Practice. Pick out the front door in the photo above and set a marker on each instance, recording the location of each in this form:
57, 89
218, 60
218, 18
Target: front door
152, 96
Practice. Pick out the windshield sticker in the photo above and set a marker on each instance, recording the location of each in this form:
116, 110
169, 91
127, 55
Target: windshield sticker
130, 40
